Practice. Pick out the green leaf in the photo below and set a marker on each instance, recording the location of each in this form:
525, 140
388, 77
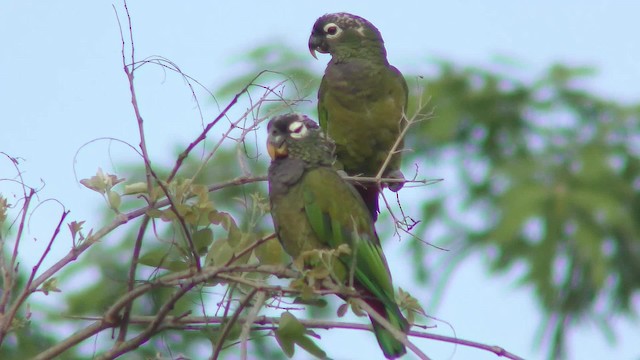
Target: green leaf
228, 223
161, 258
310, 346
101, 182
114, 200
286, 343
219, 254
313, 301
3, 213
290, 326
202, 239
50, 285
234, 331
135, 188
75, 226
290, 332
270, 253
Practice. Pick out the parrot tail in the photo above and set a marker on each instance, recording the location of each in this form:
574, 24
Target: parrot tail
391, 347
369, 193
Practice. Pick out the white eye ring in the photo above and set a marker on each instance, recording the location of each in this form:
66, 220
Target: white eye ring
297, 129
332, 30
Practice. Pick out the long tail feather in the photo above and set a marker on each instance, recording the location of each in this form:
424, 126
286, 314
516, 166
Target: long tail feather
391, 347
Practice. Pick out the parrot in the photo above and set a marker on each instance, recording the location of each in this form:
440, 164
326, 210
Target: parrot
361, 100
313, 207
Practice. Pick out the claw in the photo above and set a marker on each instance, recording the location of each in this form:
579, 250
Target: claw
395, 186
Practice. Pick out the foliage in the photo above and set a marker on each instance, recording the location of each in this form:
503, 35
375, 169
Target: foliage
551, 170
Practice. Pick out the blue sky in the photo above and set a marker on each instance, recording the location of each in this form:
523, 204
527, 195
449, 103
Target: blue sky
62, 85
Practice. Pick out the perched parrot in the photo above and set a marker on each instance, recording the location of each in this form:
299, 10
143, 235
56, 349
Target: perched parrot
361, 99
313, 207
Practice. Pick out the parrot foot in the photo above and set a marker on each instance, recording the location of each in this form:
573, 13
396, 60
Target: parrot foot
395, 186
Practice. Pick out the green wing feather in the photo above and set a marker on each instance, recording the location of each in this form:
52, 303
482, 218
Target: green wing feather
337, 215
343, 218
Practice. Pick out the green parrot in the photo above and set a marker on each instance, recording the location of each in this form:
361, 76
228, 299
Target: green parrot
313, 207
361, 99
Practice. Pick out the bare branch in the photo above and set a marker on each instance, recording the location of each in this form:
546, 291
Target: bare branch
270, 323
246, 327
231, 322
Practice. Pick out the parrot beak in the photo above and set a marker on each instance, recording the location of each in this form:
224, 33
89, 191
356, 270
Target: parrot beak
276, 148
314, 43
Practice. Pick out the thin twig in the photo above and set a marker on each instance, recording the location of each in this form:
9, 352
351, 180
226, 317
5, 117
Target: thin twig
10, 272
233, 126
246, 327
230, 323
29, 288
365, 179
205, 131
249, 248
152, 328
137, 247
120, 220
270, 323
147, 161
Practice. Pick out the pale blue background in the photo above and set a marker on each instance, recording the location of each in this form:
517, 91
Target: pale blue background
62, 85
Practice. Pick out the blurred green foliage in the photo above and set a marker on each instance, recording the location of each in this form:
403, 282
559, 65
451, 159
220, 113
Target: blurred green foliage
552, 171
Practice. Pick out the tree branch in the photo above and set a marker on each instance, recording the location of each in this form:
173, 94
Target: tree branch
264, 323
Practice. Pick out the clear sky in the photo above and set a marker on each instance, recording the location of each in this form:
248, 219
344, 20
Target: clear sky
62, 85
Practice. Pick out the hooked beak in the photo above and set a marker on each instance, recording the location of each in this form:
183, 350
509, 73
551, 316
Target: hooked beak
314, 44
276, 147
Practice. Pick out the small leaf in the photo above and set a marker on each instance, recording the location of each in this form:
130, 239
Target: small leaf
313, 301
202, 239
234, 332
114, 199
310, 346
161, 258
135, 188
246, 240
212, 334
3, 210
270, 253
219, 254
290, 326
229, 224
289, 330
101, 182
75, 227
286, 344
357, 309
222, 218
342, 309
50, 285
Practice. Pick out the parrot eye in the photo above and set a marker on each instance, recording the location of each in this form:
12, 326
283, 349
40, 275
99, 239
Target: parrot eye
298, 130
332, 30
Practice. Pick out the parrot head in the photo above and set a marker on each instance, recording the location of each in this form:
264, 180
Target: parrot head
331, 31
297, 136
